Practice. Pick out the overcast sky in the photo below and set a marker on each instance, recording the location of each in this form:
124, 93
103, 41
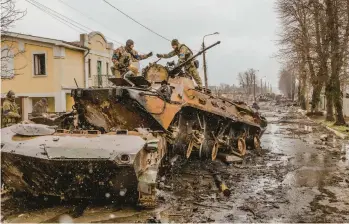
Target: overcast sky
247, 29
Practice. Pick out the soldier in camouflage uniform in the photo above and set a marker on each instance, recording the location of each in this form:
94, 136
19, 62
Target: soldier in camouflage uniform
40, 108
10, 115
122, 58
183, 53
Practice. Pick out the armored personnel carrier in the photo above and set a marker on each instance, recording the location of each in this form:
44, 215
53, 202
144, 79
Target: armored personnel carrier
116, 138
165, 100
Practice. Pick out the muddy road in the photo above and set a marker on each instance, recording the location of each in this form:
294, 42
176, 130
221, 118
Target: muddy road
301, 175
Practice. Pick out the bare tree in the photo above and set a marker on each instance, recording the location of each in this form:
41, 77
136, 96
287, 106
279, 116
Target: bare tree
9, 15
337, 12
287, 82
314, 39
247, 80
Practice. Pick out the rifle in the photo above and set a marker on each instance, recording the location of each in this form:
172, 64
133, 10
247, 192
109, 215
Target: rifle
177, 67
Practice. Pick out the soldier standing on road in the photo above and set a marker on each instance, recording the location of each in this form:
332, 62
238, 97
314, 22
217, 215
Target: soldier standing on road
122, 58
10, 115
40, 108
183, 53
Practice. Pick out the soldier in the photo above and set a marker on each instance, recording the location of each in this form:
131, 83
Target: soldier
10, 113
122, 58
40, 108
183, 53
255, 106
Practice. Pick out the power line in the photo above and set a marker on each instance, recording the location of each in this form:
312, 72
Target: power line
88, 18
65, 20
67, 23
137, 21
60, 15
68, 20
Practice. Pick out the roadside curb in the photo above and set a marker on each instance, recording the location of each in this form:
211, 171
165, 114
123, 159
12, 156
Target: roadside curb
337, 133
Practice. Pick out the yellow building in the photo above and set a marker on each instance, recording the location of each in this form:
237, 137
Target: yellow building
50, 68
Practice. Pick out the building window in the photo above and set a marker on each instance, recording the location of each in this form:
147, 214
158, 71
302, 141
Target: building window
39, 64
107, 68
99, 68
89, 68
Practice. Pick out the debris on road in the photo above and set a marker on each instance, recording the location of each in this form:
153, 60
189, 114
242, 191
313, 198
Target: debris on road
221, 185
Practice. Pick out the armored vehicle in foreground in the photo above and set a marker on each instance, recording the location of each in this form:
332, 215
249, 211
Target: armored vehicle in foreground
38, 159
115, 139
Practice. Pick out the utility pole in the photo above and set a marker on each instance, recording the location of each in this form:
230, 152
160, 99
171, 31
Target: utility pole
254, 86
204, 58
205, 66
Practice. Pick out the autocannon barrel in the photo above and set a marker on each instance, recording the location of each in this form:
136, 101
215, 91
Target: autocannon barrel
194, 56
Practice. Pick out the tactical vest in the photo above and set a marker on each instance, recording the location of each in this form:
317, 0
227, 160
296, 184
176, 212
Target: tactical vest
195, 62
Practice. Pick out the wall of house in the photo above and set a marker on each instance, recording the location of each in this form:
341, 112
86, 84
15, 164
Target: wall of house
25, 81
62, 66
99, 51
73, 67
97, 42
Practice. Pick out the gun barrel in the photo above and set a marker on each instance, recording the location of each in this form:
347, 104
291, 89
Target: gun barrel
194, 56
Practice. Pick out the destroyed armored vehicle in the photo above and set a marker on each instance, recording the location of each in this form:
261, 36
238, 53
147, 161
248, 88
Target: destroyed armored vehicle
38, 159
165, 100
116, 138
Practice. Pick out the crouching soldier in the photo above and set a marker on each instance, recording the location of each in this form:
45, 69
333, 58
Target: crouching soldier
40, 108
123, 58
10, 114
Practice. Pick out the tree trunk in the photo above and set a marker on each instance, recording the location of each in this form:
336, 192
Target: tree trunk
301, 94
302, 100
336, 59
329, 102
316, 98
338, 103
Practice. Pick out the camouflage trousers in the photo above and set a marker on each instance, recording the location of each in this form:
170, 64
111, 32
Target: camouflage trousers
119, 73
116, 72
6, 122
193, 72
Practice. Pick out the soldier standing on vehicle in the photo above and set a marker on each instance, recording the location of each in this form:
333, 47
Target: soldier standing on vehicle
183, 53
122, 58
40, 108
10, 115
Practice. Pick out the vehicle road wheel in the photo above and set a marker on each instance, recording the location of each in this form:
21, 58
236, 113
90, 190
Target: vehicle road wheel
241, 146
